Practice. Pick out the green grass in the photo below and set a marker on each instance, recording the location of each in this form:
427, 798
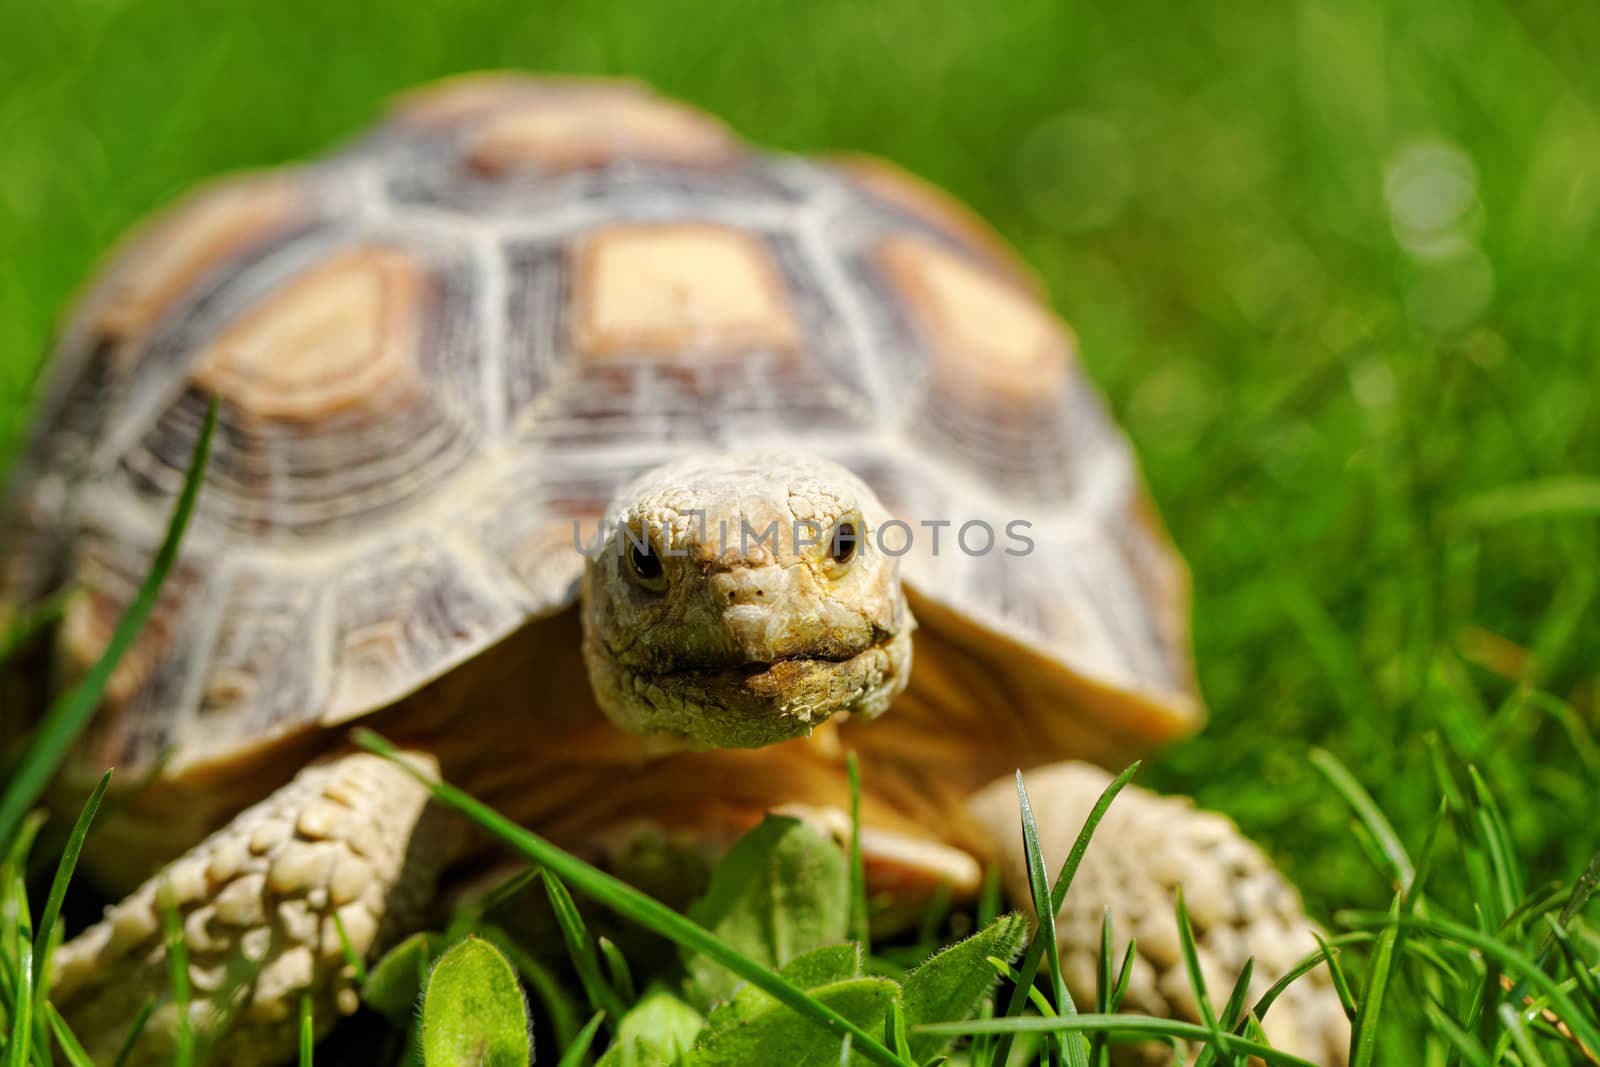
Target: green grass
1331, 262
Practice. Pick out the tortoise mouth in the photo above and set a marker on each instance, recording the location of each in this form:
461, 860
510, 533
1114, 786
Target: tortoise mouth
747, 705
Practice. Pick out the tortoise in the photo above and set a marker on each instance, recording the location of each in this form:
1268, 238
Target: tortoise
629, 478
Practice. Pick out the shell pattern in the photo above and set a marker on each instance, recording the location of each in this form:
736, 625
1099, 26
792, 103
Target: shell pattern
439, 349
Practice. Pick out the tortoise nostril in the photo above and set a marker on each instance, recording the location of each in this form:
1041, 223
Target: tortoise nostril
746, 586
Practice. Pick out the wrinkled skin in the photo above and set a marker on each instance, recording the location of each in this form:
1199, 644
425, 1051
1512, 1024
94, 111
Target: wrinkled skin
729, 605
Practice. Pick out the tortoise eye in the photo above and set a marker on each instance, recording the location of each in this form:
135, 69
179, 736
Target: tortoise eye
645, 564
846, 539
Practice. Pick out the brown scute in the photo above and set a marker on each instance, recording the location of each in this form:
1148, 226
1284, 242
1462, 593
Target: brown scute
679, 287
163, 259
339, 335
556, 125
400, 619
104, 579
464, 97
985, 332
571, 132
921, 199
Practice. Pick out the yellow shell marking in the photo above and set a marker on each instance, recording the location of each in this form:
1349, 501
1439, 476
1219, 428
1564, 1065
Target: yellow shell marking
985, 331
341, 334
678, 287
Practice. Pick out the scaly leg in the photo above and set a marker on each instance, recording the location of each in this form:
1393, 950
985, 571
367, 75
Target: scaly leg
353, 836
1145, 848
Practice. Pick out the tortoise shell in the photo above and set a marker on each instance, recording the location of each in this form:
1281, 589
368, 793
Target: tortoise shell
438, 352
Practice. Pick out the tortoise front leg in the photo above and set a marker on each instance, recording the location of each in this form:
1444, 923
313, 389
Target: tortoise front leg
353, 836
1146, 847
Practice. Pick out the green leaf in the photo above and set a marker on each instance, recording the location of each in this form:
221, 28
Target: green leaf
817, 968
394, 983
560, 1009
473, 1014
654, 1033
822, 966
781, 891
952, 984
756, 1028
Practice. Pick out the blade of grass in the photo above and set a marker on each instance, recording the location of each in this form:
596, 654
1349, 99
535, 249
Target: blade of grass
1191, 963
578, 1051
1506, 957
621, 976
351, 956
580, 946
989, 896
506, 891
1036, 997
858, 871
1364, 1040
641, 908
932, 920
1497, 841
1231, 1017
1305, 966
21, 1041
1518, 1029
178, 976
1369, 813
32, 622
1072, 1047
1580, 971
308, 1033
1464, 1044
58, 888
895, 1029
1565, 496
1103, 989
69, 713
1142, 1025
1058, 894
66, 1041
125, 1053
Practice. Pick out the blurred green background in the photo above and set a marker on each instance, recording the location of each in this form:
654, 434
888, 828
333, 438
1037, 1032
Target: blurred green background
1332, 261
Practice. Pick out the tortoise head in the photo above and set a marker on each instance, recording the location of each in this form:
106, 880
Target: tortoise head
738, 601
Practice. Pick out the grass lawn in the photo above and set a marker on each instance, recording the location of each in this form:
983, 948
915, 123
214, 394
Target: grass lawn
1331, 260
